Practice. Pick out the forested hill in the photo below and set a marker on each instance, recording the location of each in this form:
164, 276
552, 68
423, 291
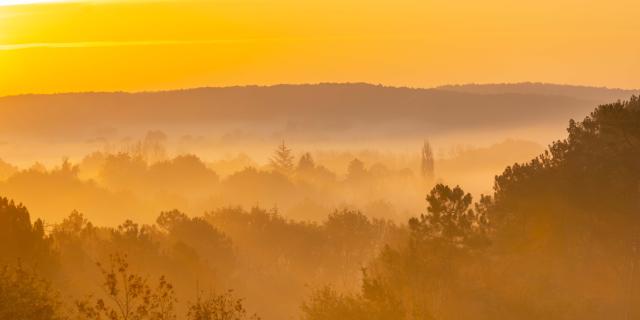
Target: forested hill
601, 94
321, 108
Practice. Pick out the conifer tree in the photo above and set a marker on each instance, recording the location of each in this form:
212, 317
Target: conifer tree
282, 161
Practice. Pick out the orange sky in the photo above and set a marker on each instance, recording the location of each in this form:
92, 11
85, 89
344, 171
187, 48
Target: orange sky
152, 45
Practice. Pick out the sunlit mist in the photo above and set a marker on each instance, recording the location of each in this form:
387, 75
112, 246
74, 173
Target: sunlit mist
319, 160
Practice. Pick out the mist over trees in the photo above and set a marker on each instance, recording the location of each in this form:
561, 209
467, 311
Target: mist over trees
112, 186
556, 239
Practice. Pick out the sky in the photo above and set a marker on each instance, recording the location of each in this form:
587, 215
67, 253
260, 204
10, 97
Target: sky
71, 46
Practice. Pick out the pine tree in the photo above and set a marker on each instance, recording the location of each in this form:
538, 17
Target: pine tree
428, 169
282, 161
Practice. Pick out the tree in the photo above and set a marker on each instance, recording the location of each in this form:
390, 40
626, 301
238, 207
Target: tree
591, 178
151, 148
327, 304
7, 170
352, 238
26, 296
134, 239
123, 171
424, 274
219, 307
75, 238
208, 241
421, 278
356, 170
20, 239
450, 219
128, 296
306, 163
375, 303
184, 174
427, 164
282, 161
576, 202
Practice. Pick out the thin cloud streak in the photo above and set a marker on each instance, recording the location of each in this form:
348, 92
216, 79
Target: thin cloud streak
11, 3
97, 44
134, 43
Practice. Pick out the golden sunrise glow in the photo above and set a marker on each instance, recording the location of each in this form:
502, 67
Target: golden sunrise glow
319, 159
23, 2
146, 45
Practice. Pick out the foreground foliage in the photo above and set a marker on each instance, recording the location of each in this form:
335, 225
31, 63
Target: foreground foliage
24, 295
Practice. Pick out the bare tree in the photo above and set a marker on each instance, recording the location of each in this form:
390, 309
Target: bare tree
219, 307
128, 296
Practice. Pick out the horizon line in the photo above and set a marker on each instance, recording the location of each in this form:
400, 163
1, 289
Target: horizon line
438, 87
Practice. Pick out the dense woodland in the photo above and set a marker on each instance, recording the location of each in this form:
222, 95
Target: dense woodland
557, 239
140, 178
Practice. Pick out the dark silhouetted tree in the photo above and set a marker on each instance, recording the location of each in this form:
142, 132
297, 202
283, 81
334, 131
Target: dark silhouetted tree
26, 296
21, 240
450, 219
